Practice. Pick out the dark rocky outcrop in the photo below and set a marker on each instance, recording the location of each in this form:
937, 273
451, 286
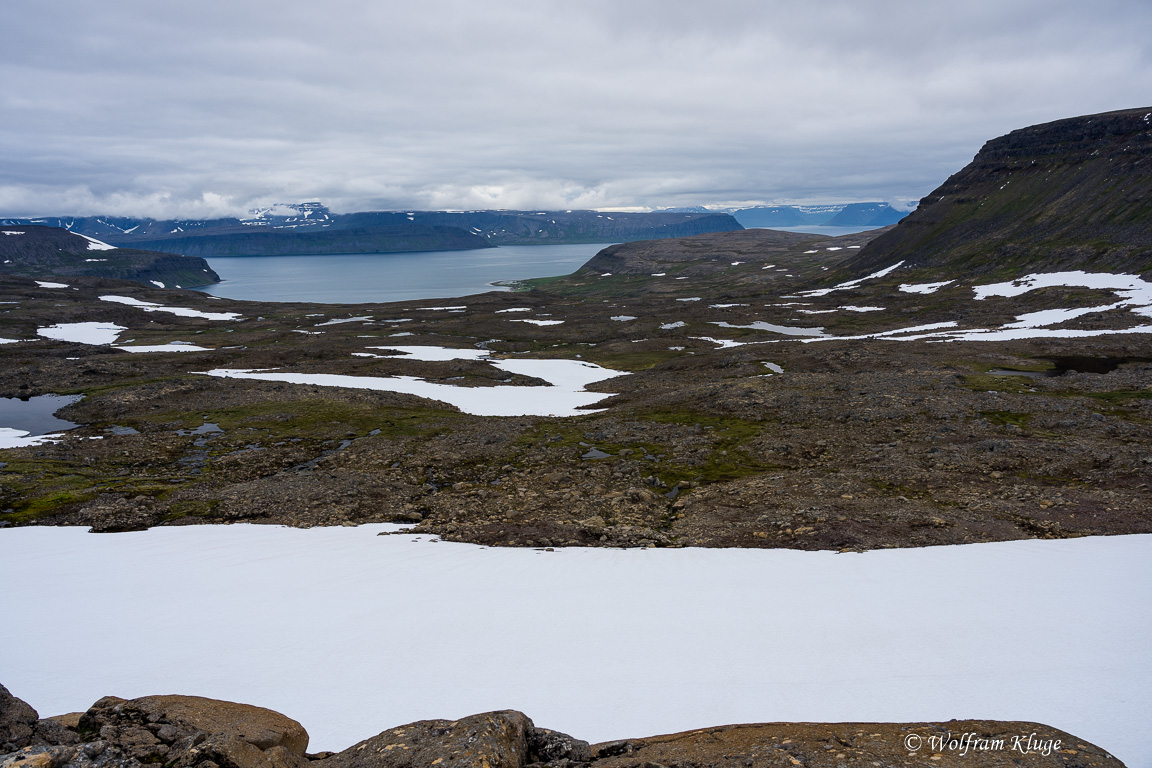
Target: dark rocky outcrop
1071, 194
491, 740
20, 726
52, 252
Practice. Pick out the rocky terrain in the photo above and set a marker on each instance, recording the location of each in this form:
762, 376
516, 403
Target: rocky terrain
186, 731
51, 252
717, 434
768, 393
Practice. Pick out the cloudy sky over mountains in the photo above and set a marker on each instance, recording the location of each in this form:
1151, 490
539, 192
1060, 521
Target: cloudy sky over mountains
206, 109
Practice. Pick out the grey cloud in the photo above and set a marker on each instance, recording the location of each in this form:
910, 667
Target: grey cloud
209, 108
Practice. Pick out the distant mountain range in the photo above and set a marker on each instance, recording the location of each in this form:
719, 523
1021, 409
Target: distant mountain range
847, 215
310, 228
51, 252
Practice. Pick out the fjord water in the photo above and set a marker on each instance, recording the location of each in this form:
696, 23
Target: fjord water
377, 277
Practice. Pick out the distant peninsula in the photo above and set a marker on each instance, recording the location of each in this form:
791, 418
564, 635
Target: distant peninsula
42, 252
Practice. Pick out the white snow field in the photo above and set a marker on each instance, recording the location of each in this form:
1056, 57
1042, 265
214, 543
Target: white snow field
352, 633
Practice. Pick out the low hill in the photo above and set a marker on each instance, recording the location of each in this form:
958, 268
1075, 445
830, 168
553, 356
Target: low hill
51, 252
717, 263
1071, 194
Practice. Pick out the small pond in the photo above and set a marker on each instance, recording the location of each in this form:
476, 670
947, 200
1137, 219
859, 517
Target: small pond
34, 415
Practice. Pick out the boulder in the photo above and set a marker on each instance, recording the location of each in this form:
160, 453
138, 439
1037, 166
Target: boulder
17, 722
959, 743
20, 726
490, 740
190, 730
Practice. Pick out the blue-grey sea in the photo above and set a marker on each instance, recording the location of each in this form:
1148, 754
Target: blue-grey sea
378, 277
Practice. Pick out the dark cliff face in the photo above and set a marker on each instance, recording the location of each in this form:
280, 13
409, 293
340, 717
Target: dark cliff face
1071, 194
51, 252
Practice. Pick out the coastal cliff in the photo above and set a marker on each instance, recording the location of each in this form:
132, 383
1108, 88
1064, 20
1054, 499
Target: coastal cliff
51, 252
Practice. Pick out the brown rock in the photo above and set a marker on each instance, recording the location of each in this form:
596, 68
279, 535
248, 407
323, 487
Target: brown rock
262, 728
17, 722
490, 740
988, 744
185, 731
20, 726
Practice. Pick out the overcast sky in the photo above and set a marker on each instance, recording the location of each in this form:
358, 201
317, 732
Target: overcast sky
208, 108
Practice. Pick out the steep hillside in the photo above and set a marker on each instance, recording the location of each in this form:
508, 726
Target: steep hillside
45, 252
1071, 194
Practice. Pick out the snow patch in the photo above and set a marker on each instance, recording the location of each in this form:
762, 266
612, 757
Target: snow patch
149, 306
924, 287
96, 245
83, 333
564, 395
172, 346
851, 283
19, 438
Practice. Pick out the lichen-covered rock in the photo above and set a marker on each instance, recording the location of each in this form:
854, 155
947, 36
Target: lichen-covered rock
17, 722
490, 740
547, 746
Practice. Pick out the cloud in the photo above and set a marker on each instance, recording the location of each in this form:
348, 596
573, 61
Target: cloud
141, 108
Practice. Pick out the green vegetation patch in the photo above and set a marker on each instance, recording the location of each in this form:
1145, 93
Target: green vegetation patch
318, 418
727, 460
987, 382
1007, 418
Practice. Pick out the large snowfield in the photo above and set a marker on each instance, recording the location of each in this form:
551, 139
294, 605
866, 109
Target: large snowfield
352, 633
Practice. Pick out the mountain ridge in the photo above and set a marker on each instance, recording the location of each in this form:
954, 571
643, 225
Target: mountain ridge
1069, 194
310, 228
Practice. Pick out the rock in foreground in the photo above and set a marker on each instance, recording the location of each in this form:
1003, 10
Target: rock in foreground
187, 731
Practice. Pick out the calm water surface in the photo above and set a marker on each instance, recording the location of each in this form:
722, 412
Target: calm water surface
376, 277
34, 415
